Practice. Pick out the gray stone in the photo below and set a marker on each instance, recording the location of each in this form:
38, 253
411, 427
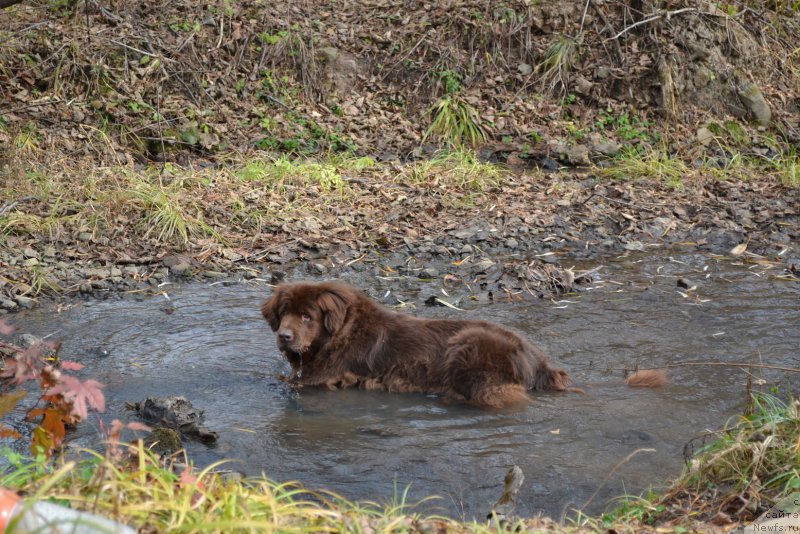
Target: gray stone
30, 253
575, 154
115, 272
704, 136
25, 302
130, 270
180, 269
30, 262
85, 236
8, 304
756, 104
428, 272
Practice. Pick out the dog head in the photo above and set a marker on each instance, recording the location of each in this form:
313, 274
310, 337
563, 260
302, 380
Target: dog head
305, 315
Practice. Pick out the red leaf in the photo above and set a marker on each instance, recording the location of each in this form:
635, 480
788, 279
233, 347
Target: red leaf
71, 366
80, 394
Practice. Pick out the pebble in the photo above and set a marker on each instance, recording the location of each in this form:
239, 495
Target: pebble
428, 272
8, 304
25, 302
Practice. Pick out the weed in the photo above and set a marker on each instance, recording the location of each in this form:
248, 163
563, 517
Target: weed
459, 169
655, 163
629, 128
28, 139
41, 281
784, 164
558, 61
168, 215
451, 81
456, 121
273, 38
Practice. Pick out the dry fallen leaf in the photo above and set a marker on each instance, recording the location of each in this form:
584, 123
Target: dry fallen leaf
739, 249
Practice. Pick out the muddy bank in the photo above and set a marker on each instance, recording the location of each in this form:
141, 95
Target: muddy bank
517, 233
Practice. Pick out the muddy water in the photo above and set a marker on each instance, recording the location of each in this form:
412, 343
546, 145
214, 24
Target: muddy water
208, 343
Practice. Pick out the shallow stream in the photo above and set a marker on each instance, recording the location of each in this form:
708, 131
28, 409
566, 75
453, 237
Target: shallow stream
209, 343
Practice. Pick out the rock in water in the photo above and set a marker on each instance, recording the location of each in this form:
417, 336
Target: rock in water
176, 413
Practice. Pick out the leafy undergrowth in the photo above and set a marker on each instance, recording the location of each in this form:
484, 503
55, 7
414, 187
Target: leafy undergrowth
730, 481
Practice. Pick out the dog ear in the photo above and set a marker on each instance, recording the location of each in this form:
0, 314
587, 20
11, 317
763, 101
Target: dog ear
270, 309
333, 304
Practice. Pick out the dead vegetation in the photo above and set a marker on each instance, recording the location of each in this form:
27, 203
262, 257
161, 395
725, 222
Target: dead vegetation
134, 82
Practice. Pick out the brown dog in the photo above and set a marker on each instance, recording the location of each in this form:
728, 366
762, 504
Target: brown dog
334, 336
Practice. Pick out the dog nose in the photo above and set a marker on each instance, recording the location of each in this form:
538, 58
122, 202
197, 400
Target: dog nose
285, 335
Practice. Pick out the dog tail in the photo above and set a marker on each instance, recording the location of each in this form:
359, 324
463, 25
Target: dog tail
647, 378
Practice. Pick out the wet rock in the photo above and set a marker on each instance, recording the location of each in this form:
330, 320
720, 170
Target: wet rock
176, 413
163, 440
684, 283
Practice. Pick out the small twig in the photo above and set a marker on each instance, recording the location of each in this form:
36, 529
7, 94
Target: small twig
6, 207
583, 18
129, 47
667, 14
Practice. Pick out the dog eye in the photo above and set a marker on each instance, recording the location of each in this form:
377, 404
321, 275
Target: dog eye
305, 317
